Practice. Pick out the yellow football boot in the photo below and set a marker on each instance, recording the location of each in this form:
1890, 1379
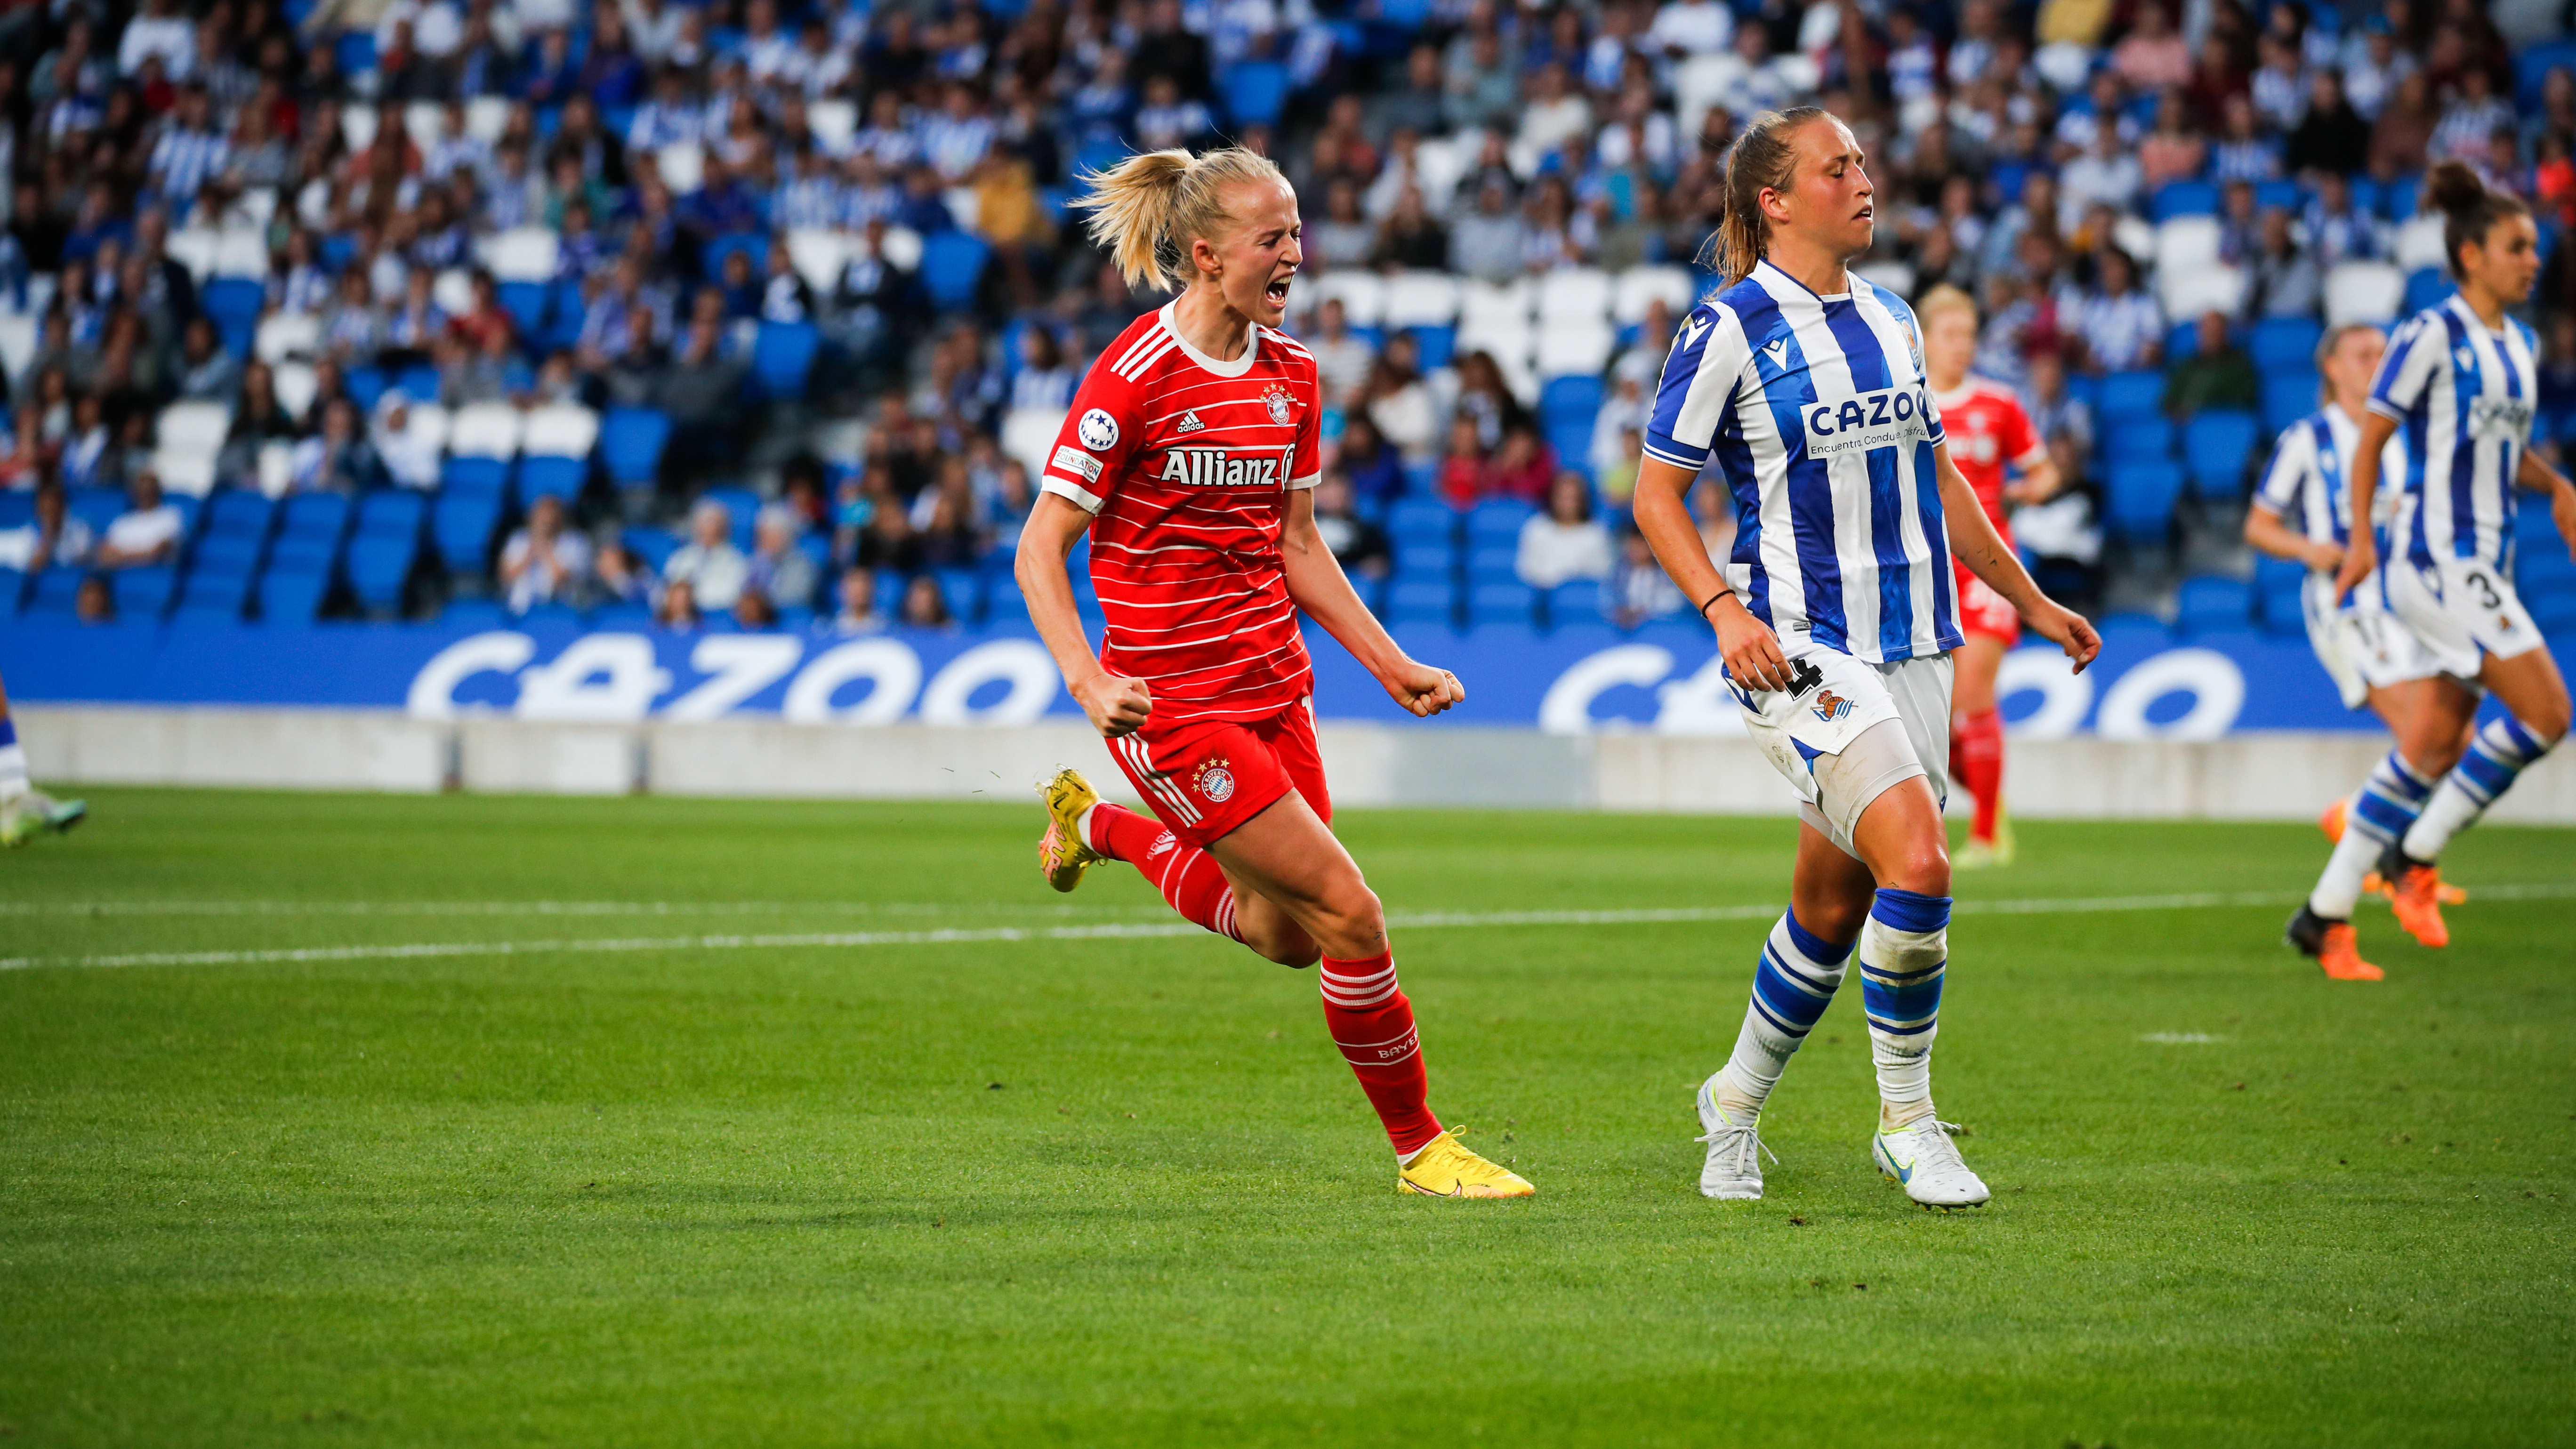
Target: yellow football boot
1063, 855
1445, 1168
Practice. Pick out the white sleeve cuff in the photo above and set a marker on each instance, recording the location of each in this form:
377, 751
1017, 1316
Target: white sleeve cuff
1071, 491
1309, 481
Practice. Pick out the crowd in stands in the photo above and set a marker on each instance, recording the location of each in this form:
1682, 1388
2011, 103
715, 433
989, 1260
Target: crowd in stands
756, 313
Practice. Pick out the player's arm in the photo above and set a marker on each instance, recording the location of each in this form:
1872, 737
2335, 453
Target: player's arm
2539, 477
2291, 471
1974, 540
2039, 482
1662, 510
2266, 533
2361, 552
1114, 703
1319, 587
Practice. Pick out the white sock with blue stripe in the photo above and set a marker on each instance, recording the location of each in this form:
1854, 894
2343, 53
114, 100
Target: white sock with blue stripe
2496, 758
13, 763
1791, 988
1904, 950
2381, 812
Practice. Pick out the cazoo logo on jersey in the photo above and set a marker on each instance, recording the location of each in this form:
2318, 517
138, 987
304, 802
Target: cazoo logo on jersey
1886, 417
1222, 468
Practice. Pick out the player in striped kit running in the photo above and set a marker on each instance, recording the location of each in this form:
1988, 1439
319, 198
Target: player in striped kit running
2459, 379
1190, 456
2302, 512
1836, 619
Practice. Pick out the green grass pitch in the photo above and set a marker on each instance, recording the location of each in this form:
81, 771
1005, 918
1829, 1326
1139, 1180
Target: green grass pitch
1122, 1191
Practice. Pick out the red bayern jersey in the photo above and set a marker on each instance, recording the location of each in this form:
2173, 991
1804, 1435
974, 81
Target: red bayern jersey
1186, 464
1987, 430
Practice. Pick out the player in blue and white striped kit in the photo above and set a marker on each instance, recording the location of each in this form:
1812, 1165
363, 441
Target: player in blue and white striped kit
1804, 385
2302, 512
2460, 379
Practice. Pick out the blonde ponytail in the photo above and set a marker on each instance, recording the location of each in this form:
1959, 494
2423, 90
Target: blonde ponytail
1147, 209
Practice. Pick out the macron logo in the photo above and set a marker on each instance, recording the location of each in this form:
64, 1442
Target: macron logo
1778, 352
1692, 329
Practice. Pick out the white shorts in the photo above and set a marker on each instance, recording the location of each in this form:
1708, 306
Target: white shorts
2362, 645
2461, 610
1814, 734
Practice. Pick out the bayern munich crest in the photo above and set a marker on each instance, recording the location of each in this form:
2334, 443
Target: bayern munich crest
1215, 781
1277, 399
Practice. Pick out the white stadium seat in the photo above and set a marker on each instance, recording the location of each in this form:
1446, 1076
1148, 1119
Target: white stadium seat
682, 166
432, 424
1421, 299
425, 122
2184, 242
192, 474
561, 431
242, 253
902, 249
1362, 295
486, 430
1639, 287
1576, 349
486, 117
521, 254
1485, 304
833, 124
820, 256
1573, 295
2419, 242
2364, 292
193, 427
453, 291
1438, 163
358, 126
283, 335
276, 468
2208, 287
1029, 435
18, 338
1700, 83
193, 247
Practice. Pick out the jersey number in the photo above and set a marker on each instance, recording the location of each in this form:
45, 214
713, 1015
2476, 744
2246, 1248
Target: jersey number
2487, 595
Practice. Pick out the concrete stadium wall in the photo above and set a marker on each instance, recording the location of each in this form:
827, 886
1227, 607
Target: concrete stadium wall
2244, 777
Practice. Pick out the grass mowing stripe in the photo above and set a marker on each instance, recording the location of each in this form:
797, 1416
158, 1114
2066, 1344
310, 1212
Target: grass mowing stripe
1434, 920
515, 908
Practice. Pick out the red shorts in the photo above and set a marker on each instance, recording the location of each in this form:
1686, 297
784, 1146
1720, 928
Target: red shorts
1207, 777
1982, 610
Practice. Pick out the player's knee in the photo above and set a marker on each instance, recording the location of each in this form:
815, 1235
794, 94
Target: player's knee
1293, 949
1353, 923
1923, 868
2547, 724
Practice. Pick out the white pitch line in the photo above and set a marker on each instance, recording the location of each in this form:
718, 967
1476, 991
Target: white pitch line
2548, 890
517, 908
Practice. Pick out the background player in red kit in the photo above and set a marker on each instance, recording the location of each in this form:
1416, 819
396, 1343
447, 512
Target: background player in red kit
1988, 433
1190, 455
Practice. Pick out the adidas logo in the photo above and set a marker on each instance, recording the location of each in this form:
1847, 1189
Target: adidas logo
1189, 423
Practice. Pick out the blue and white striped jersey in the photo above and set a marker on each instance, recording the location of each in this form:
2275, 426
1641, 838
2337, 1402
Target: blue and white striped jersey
2308, 483
1816, 411
2463, 396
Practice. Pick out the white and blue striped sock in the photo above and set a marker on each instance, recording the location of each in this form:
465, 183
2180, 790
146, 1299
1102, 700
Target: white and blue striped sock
13, 762
2379, 814
2496, 758
1792, 986
1904, 951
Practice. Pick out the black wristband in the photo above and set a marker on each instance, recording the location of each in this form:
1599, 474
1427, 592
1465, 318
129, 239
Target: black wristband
1713, 598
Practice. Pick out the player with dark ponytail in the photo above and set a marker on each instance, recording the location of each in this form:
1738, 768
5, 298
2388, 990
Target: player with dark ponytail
2457, 385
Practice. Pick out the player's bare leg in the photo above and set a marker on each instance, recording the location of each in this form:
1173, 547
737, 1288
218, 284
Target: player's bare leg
2534, 696
1300, 898
1977, 750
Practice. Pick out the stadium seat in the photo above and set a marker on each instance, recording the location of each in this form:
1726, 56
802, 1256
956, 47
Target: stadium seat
2284, 342
562, 430
1640, 287
97, 507
2218, 449
552, 478
2426, 287
461, 525
1496, 523
2418, 244
293, 595
2135, 439
631, 443
1421, 601
1421, 299
2183, 198
1255, 92
13, 592
239, 514
213, 594
233, 304
284, 335
526, 302
1570, 399
2126, 395
55, 592
952, 268
1362, 295
2142, 498
1577, 296
2281, 607
2364, 292
720, 249
1492, 563
1571, 349
143, 593
486, 430
1424, 559
782, 357
1422, 519
742, 507
1436, 346
962, 589
652, 547
2211, 604
2289, 394
1502, 602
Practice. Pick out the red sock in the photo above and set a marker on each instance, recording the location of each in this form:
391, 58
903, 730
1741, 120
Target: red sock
1187, 876
1372, 1023
1977, 758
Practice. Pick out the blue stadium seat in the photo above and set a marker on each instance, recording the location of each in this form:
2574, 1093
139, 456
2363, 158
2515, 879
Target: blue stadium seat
2532, 65
526, 302
144, 593
1421, 518
214, 592
56, 592
631, 442
379, 567
963, 591
1574, 398
419, 382
2289, 394
2138, 438
2286, 196
652, 547
1575, 603
1421, 601
1255, 92
2211, 604
233, 304
474, 477
2182, 342
553, 477
1572, 440
17, 507
2218, 448
292, 595
2142, 498
2125, 395
2281, 608
782, 357
242, 514
2279, 343
1497, 521
2426, 287
711, 257
1435, 344
1499, 602
1425, 558
474, 614
2183, 198
97, 507
564, 317
1493, 563
461, 525
952, 268
356, 52
13, 591
366, 384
